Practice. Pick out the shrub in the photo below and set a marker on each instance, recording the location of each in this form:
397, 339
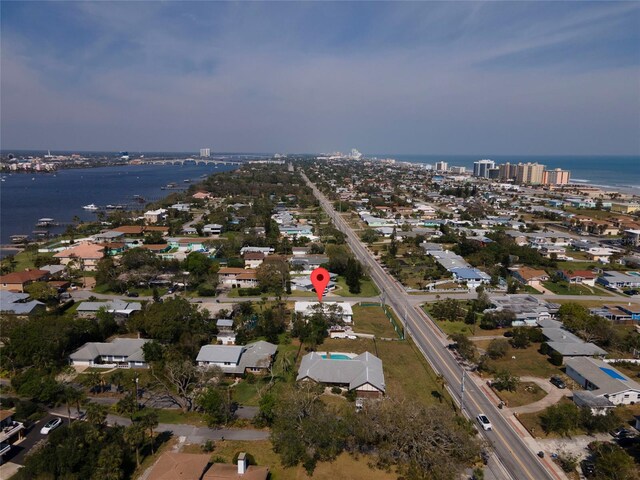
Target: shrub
505, 380
207, 446
498, 348
336, 390
249, 292
206, 290
556, 358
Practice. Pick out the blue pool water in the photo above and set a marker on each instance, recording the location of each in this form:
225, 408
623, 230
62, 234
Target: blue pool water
612, 373
337, 356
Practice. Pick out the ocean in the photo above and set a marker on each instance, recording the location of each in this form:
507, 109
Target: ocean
612, 172
26, 197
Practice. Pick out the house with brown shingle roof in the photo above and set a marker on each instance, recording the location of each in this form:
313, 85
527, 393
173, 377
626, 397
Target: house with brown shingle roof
16, 281
237, 277
530, 276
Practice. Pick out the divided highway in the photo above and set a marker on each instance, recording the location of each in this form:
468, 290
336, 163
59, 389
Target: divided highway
515, 456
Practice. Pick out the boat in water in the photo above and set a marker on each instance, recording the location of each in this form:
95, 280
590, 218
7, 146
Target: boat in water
114, 207
19, 238
91, 206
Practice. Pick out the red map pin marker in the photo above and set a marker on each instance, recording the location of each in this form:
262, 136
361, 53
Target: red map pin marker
320, 279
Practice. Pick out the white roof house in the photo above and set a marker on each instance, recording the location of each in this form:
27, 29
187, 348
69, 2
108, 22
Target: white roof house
119, 307
307, 308
362, 373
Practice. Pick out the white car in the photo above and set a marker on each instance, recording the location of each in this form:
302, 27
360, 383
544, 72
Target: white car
484, 421
50, 425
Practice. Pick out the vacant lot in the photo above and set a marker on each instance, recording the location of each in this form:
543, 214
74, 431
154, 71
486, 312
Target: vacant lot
565, 288
525, 362
367, 288
345, 466
372, 320
526, 393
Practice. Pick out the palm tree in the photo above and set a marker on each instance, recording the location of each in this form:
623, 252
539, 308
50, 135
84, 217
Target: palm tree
149, 421
135, 436
96, 414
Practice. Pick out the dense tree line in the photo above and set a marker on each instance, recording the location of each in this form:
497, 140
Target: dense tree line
423, 442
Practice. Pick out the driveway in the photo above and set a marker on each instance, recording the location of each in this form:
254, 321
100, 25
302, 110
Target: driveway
19, 450
554, 394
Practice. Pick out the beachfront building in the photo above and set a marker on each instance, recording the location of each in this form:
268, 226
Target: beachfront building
557, 176
481, 168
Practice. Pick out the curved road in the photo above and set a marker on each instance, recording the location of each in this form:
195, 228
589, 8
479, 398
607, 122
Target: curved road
516, 457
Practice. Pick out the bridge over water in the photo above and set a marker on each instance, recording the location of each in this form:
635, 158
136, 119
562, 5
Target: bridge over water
197, 161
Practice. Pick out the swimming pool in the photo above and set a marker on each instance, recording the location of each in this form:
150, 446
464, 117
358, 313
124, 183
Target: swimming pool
337, 356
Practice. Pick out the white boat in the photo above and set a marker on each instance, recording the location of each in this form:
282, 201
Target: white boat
91, 206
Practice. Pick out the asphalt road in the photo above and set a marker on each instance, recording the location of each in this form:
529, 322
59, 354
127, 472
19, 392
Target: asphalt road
33, 436
520, 462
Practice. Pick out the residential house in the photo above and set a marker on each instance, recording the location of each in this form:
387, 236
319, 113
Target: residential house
200, 195
265, 250
632, 237
85, 256
618, 313
120, 352
569, 345
603, 380
614, 279
253, 260
16, 281
19, 304
579, 277
10, 430
308, 263
255, 357
228, 277
118, 307
155, 216
212, 229
226, 335
532, 277
528, 309
307, 308
360, 373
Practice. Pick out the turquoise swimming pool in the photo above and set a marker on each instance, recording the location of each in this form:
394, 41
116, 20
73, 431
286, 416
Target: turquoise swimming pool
337, 356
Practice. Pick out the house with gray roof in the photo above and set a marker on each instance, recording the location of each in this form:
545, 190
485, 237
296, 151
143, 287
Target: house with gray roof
255, 357
603, 380
226, 335
19, 303
569, 345
529, 309
121, 353
360, 373
118, 307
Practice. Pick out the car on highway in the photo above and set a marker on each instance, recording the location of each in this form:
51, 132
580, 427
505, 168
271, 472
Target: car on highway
484, 422
50, 425
557, 381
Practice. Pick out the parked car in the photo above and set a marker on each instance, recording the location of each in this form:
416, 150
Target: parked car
132, 294
50, 425
630, 292
484, 422
621, 432
558, 382
588, 468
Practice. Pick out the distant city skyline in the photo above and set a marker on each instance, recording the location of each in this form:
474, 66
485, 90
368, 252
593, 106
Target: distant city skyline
445, 78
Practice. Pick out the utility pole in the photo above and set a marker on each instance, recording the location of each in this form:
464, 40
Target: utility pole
462, 391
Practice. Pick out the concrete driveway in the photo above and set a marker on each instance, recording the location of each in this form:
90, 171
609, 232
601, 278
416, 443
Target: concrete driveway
554, 394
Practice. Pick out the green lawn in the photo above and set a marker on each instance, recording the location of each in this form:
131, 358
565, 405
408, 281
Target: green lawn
407, 373
367, 288
451, 328
372, 320
526, 393
527, 362
565, 288
344, 466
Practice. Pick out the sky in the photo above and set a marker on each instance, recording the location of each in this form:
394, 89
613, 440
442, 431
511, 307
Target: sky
404, 77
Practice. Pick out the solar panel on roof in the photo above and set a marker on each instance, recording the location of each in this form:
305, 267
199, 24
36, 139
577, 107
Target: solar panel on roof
612, 373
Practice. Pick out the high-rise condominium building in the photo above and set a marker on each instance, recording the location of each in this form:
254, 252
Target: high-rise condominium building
508, 171
458, 170
442, 166
557, 176
205, 152
481, 168
530, 173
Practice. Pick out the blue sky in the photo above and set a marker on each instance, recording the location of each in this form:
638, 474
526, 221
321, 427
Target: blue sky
432, 77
